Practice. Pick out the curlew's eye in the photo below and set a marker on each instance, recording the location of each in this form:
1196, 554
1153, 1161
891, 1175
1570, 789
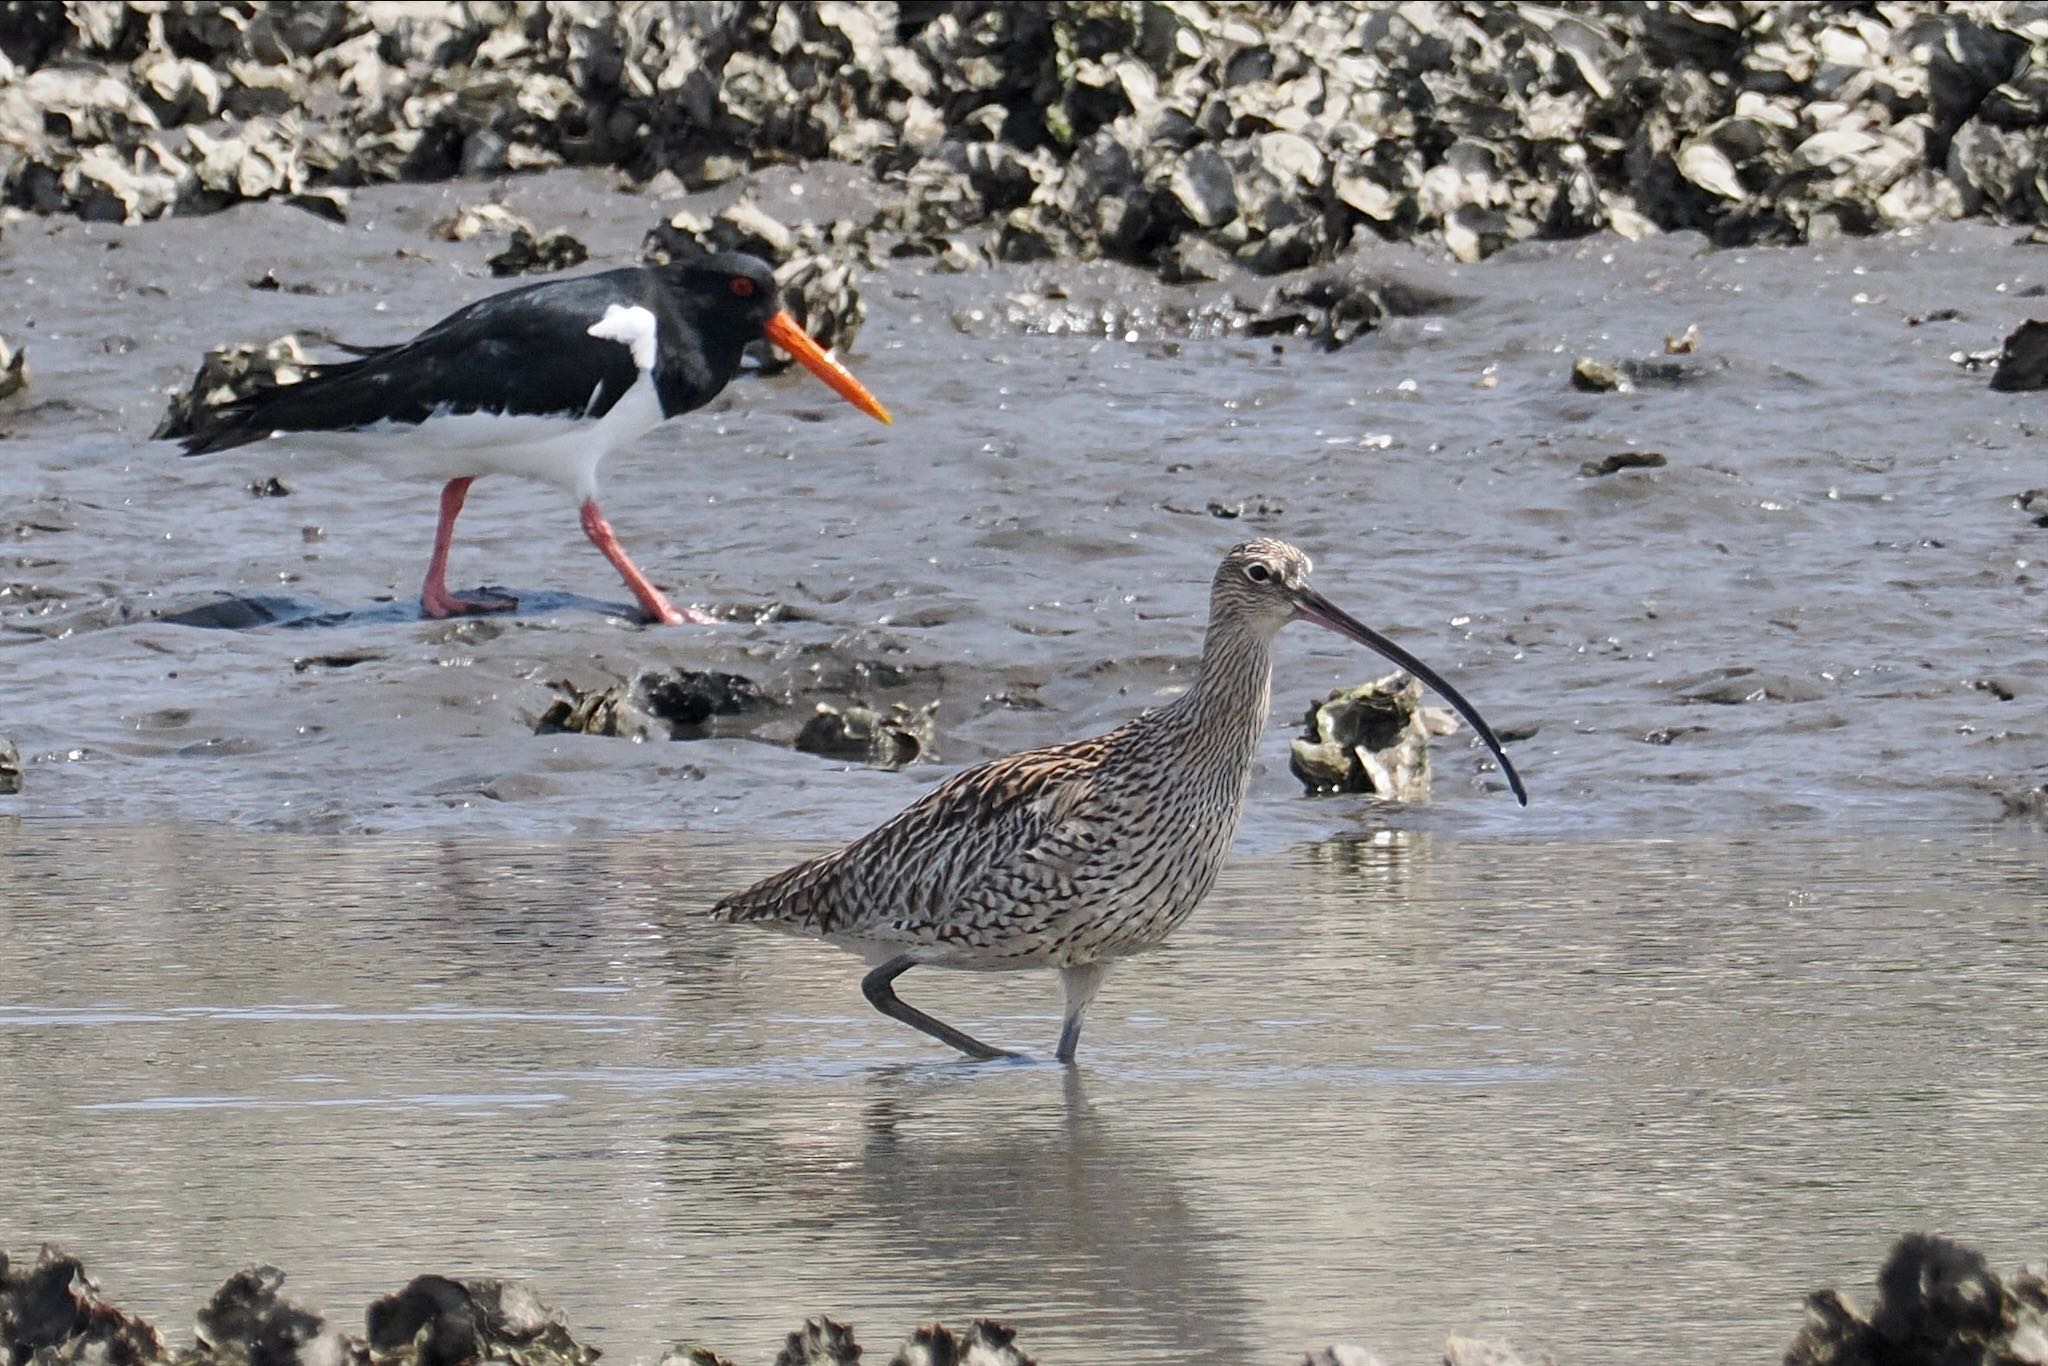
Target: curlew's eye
742, 286
1258, 573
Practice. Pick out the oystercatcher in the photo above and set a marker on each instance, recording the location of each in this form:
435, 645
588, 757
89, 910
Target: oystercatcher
543, 381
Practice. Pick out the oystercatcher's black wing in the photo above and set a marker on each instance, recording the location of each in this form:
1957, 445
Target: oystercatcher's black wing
524, 352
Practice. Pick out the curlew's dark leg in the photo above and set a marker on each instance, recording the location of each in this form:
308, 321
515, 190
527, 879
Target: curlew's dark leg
875, 986
652, 601
1080, 983
435, 599
1070, 1039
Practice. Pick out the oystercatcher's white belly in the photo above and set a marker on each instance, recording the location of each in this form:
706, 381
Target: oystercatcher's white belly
564, 451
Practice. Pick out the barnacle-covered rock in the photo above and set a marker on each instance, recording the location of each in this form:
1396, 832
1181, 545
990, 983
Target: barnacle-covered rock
891, 739
652, 704
815, 266
441, 1321
985, 1343
821, 1341
474, 220
228, 373
1119, 128
1370, 738
527, 254
2023, 359
53, 1313
1937, 1301
249, 1322
13, 370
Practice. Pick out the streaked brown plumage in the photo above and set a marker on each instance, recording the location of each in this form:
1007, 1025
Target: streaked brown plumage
1074, 855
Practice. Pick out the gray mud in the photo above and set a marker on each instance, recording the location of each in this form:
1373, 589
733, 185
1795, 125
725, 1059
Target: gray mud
1823, 607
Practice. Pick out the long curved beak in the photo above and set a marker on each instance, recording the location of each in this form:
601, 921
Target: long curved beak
783, 331
1310, 605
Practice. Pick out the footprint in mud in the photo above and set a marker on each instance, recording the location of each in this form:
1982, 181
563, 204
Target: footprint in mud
237, 613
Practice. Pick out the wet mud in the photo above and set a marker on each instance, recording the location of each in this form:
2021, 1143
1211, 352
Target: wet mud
1827, 585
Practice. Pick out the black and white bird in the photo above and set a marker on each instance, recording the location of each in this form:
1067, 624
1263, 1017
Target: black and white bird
543, 381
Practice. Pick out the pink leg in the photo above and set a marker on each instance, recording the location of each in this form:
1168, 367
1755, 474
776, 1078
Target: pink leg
435, 599
657, 607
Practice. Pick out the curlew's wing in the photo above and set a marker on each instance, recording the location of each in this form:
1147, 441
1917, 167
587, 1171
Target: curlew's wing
523, 352
1013, 828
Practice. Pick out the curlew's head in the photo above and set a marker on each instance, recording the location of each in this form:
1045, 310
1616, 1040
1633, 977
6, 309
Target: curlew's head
1255, 586
1262, 585
733, 299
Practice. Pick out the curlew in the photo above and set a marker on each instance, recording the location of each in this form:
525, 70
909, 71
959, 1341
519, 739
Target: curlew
1078, 854
543, 381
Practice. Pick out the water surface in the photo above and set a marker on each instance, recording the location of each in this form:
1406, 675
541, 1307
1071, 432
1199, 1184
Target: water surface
1614, 1100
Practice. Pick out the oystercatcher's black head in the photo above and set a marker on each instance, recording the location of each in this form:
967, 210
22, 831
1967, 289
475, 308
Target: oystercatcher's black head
730, 296
733, 300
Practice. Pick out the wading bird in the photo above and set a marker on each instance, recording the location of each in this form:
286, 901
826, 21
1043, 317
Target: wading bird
543, 381
1075, 855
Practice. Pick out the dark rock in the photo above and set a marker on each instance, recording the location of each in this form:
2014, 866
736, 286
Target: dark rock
2027, 804
1599, 376
530, 255
53, 1313
1333, 310
820, 1342
1938, 1303
900, 737
1029, 234
1622, 460
477, 219
985, 1343
1193, 258
269, 283
1665, 735
269, 487
1370, 738
1257, 510
2034, 501
343, 660
10, 768
653, 704
690, 1354
13, 370
1341, 1354
1596, 376
248, 1323
2023, 359
439, 1321
686, 698
1204, 189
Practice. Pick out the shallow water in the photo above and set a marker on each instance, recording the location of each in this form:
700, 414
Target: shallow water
1615, 1100
316, 953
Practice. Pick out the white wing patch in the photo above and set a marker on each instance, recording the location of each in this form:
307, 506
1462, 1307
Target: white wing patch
634, 326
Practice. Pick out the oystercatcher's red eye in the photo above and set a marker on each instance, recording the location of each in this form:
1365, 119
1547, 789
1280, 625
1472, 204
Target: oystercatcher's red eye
742, 286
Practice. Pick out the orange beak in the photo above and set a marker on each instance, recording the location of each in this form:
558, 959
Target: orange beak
783, 331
